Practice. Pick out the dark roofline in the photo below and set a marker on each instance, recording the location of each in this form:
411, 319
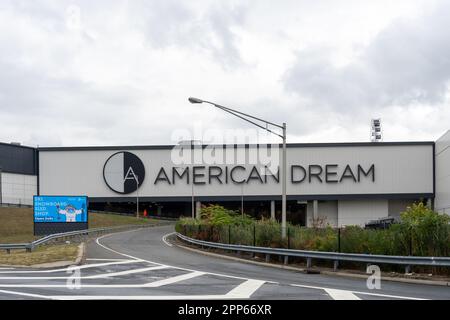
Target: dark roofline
289, 145
16, 146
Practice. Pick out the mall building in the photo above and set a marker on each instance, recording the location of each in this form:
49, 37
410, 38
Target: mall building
328, 183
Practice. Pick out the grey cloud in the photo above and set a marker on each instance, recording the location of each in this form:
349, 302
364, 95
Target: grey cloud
47, 106
221, 20
45, 100
164, 22
172, 23
48, 15
406, 63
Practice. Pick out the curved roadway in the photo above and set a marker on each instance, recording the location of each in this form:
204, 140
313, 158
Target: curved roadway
141, 265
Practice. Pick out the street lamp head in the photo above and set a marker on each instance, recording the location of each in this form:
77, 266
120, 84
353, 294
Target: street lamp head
195, 100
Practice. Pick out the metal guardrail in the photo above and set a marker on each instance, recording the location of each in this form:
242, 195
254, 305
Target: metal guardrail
407, 261
30, 246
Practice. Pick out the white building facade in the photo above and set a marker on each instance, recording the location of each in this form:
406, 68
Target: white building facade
18, 174
336, 184
339, 184
443, 174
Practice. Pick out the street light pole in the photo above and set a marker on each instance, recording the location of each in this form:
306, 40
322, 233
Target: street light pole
283, 186
192, 199
247, 117
137, 196
242, 200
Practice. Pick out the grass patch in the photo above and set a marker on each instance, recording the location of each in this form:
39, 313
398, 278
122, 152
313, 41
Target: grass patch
43, 254
102, 220
16, 224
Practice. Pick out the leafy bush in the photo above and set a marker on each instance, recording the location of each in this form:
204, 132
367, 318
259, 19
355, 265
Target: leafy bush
429, 231
320, 239
268, 233
421, 230
217, 215
241, 234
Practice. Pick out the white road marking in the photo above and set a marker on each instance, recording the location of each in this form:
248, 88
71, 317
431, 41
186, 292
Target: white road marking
307, 287
154, 284
99, 259
245, 289
36, 278
164, 239
359, 292
117, 252
97, 276
341, 294
242, 291
121, 273
175, 279
86, 266
31, 295
169, 266
387, 295
182, 297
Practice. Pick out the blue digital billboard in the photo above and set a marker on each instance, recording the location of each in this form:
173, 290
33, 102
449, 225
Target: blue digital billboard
60, 209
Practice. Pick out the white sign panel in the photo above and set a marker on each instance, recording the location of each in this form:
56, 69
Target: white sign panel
312, 170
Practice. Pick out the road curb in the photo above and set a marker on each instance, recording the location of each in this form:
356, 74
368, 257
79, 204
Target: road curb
325, 272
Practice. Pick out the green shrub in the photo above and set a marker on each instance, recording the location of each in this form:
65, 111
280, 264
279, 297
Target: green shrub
321, 239
268, 233
217, 215
325, 239
427, 231
241, 234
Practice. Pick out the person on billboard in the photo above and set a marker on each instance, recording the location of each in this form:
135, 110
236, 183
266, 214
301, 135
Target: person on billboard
70, 212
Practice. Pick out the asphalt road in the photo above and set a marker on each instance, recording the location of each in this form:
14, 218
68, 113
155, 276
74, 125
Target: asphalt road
142, 265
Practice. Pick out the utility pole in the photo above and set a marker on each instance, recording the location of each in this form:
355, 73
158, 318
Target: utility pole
283, 186
137, 196
192, 199
242, 200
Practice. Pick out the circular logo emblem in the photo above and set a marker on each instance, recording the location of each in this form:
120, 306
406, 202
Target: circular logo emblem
124, 172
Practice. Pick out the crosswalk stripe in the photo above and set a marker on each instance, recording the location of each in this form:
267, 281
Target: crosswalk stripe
86, 266
245, 289
175, 279
121, 273
341, 294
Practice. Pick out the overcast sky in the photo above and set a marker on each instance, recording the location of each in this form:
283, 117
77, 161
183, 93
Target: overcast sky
110, 72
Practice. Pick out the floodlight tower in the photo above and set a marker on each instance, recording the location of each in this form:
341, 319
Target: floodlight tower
376, 132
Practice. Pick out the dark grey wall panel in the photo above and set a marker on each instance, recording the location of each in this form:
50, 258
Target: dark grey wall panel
18, 159
400, 196
42, 228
